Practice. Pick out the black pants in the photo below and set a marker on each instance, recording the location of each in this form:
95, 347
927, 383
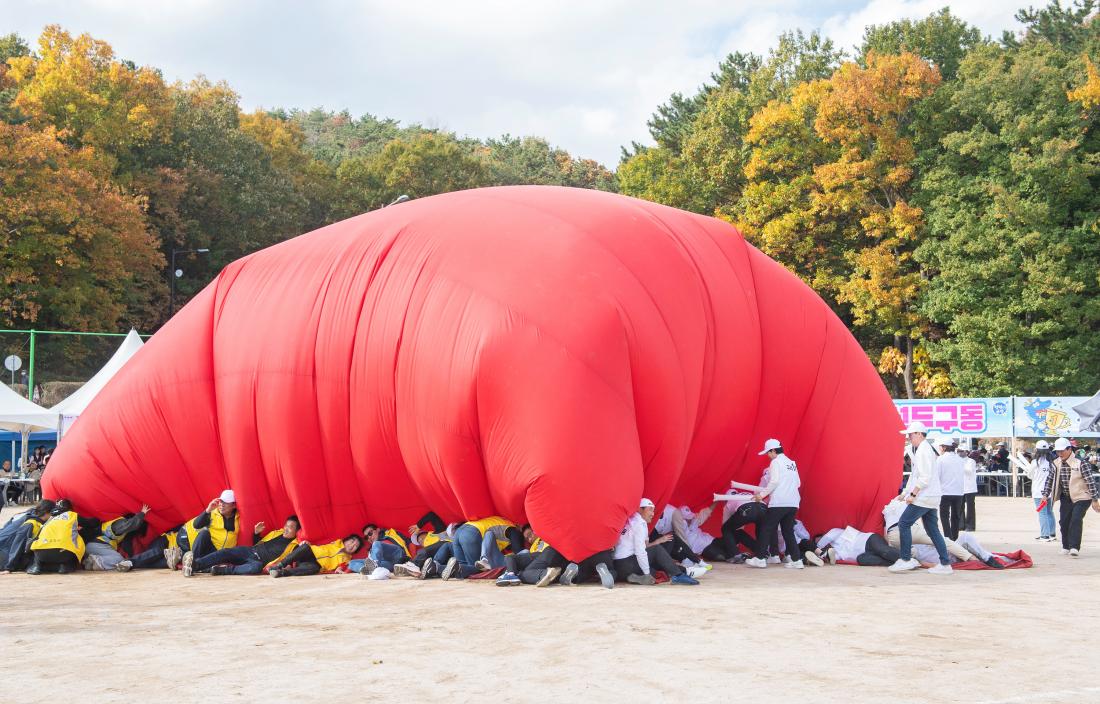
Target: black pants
659, 559
970, 519
678, 549
1071, 519
715, 552
733, 535
306, 563
14, 491
951, 508
423, 554
538, 564
783, 517
51, 559
878, 553
153, 556
587, 566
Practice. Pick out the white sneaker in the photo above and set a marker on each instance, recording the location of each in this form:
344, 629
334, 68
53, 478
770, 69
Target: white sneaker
904, 565
794, 565
787, 559
705, 565
1074, 552
814, 559
830, 554
406, 569
940, 569
756, 562
773, 560
696, 571
1064, 551
379, 573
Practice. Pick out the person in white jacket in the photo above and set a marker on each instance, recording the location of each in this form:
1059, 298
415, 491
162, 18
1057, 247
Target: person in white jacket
922, 494
952, 469
783, 501
970, 486
1038, 470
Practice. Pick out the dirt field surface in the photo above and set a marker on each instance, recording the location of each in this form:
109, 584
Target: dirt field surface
831, 634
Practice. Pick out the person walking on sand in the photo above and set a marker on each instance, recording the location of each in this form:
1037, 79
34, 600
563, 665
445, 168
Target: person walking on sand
1073, 483
922, 496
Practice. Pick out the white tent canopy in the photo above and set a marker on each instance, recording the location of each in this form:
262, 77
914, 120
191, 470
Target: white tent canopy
1089, 411
22, 415
65, 412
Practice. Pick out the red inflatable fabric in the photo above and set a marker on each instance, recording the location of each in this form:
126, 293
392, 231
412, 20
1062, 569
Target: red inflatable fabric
547, 354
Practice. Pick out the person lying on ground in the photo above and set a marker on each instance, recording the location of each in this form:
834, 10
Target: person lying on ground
471, 546
539, 567
927, 556
155, 554
309, 559
866, 549
104, 549
214, 529
59, 547
434, 552
393, 547
18, 533
633, 557
248, 560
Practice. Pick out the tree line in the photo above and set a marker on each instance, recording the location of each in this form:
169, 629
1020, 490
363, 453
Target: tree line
937, 187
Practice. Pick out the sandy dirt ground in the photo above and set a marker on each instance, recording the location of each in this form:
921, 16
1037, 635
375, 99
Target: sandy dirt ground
832, 634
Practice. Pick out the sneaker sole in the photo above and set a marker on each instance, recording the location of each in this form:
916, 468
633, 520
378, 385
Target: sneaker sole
569, 576
606, 580
188, 564
548, 576
449, 570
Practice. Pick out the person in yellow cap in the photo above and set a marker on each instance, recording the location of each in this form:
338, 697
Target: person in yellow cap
59, 547
215, 528
309, 559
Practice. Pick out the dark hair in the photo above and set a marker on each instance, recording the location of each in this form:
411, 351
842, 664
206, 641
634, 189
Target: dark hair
294, 517
777, 450
358, 538
524, 527
62, 506
369, 526
43, 507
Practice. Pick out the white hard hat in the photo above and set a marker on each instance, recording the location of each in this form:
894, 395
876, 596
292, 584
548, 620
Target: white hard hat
646, 503
1061, 444
228, 497
916, 427
771, 444
1042, 445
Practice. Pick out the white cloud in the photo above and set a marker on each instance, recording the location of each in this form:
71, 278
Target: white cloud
584, 75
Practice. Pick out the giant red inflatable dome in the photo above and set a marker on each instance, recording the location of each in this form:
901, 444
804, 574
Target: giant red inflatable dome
548, 354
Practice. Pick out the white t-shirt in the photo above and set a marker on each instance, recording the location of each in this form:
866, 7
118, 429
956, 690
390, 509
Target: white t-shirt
952, 469
632, 541
783, 482
848, 542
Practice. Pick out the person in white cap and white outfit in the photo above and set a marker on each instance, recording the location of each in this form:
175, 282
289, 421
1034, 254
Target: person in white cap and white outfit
216, 528
783, 501
633, 554
970, 486
1038, 469
922, 496
952, 469
1073, 483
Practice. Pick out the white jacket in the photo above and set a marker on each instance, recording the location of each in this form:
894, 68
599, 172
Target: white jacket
783, 483
924, 478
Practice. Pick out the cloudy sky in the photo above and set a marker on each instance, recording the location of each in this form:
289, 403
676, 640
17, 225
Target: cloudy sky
584, 74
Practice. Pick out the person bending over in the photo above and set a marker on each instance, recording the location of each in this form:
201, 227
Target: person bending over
309, 559
59, 547
103, 550
248, 560
18, 533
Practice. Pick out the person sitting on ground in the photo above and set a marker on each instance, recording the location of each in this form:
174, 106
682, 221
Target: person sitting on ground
155, 555
540, 565
249, 560
309, 559
633, 557
434, 552
672, 532
102, 552
59, 547
1073, 483
393, 547
783, 501
17, 535
215, 528
471, 545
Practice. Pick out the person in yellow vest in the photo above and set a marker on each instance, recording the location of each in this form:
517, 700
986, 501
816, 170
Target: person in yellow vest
17, 535
215, 528
103, 550
265, 550
59, 547
309, 559
155, 555
471, 545
435, 549
539, 564
391, 547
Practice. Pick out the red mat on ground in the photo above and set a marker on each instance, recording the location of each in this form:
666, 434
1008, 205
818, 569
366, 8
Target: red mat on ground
1011, 560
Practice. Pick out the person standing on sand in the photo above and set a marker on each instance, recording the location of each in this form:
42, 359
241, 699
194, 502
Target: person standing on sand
970, 486
952, 469
1072, 482
784, 499
922, 496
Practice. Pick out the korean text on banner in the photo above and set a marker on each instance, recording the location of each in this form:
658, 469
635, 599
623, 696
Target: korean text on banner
973, 417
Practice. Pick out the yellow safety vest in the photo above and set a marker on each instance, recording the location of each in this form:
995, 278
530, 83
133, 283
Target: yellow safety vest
485, 524
36, 526
173, 538
103, 528
61, 531
275, 534
329, 555
427, 539
538, 545
219, 536
398, 540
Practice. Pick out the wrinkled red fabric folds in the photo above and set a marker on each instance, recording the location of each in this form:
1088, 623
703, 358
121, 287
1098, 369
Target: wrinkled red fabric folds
547, 354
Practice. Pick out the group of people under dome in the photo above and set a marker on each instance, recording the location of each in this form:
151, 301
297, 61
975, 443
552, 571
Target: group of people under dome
674, 547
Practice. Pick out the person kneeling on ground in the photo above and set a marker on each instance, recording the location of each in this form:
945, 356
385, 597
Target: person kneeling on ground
17, 535
214, 529
309, 559
59, 547
242, 560
632, 556
540, 565
103, 550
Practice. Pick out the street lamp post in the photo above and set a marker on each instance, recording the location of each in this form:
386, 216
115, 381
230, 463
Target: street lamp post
175, 274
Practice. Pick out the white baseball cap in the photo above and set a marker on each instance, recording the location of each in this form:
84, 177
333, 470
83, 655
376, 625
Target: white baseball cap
946, 440
646, 503
228, 497
916, 427
770, 445
1062, 444
1042, 445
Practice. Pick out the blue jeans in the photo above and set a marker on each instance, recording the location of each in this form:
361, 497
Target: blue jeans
386, 554
1046, 518
467, 544
490, 551
242, 558
928, 518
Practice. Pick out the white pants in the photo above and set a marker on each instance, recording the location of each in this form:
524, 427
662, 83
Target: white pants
957, 552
